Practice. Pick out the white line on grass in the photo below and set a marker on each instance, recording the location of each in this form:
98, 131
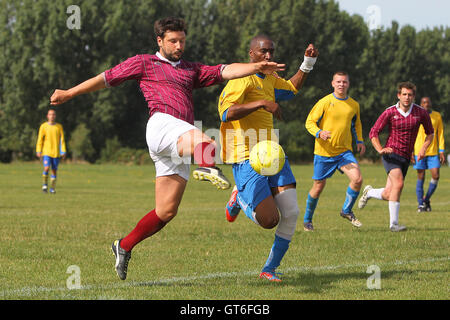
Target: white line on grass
30, 291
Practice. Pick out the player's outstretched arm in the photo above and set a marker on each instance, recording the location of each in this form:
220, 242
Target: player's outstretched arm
93, 84
239, 70
311, 54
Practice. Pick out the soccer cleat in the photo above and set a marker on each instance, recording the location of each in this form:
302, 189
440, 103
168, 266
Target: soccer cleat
351, 217
363, 200
122, 258
271, 276
308, 226
44, 188
397, 228
232, 208
212, 174
52, 191
427, 206
421, 208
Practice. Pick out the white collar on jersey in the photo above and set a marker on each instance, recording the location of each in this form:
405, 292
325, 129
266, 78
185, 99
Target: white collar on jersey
403, 113
174, 64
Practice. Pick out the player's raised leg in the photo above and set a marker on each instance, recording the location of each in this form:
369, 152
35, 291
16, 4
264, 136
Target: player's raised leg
203, 148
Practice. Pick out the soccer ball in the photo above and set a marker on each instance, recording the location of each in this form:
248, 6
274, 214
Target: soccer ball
267, 158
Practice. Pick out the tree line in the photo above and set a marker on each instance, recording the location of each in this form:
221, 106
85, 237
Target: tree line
40, 53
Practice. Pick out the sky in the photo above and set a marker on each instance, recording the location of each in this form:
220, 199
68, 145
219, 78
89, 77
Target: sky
418, 13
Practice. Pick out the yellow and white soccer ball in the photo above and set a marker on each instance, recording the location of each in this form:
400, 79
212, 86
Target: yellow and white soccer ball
267, 158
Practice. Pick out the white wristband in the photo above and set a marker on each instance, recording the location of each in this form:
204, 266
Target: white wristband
308, 64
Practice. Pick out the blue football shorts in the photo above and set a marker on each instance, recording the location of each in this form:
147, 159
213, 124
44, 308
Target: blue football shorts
254, 188
324, 167
49, 161
429, 162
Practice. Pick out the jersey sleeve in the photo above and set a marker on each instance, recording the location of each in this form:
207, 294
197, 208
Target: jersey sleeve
233, 93
208, 75
357, 126
314, 117
40, 139
439, 132
426, 122
379, 125
129, 69
62, 145
284, 89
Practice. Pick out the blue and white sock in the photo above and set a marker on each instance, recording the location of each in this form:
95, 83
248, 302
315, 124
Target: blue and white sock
431, 188
279, 248
419, 191
350, 199
311, 204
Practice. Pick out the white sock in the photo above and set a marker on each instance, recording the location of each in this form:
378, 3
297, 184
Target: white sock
375, 193
394, 207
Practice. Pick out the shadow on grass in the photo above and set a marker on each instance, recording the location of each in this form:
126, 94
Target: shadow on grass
320, 282
312, 282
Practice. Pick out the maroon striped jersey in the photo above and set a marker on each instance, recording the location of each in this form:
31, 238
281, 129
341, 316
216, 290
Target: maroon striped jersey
166, 88
403, 128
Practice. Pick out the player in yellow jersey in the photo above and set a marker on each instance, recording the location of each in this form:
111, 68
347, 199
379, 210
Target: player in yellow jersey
434, 157
50, 147
246, 109
335, 121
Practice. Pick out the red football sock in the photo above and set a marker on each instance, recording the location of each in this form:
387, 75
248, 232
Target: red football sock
146, 227
204, 154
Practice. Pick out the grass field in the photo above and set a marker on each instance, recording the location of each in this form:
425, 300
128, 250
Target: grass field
199, 255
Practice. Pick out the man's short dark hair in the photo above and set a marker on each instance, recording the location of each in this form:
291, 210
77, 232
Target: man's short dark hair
341, 73
169, 24
406, 85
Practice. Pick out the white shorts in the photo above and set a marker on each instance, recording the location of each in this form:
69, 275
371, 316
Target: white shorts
163, 131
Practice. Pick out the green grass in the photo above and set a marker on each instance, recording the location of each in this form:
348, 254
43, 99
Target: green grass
199, 255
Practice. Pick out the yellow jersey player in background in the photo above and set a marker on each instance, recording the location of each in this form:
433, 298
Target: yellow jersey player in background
246, 109
50, 147
434, 157
334, 121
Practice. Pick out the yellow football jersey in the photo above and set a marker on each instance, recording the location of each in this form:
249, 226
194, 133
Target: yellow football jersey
339, 116
437, 145
239, 136
51, 140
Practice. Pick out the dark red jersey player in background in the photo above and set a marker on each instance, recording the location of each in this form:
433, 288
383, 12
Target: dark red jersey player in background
403, 120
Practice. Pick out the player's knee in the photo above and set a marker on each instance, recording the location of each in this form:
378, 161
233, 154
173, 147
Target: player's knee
317, 189
269, 222
167, 215
358, 181
287, 203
